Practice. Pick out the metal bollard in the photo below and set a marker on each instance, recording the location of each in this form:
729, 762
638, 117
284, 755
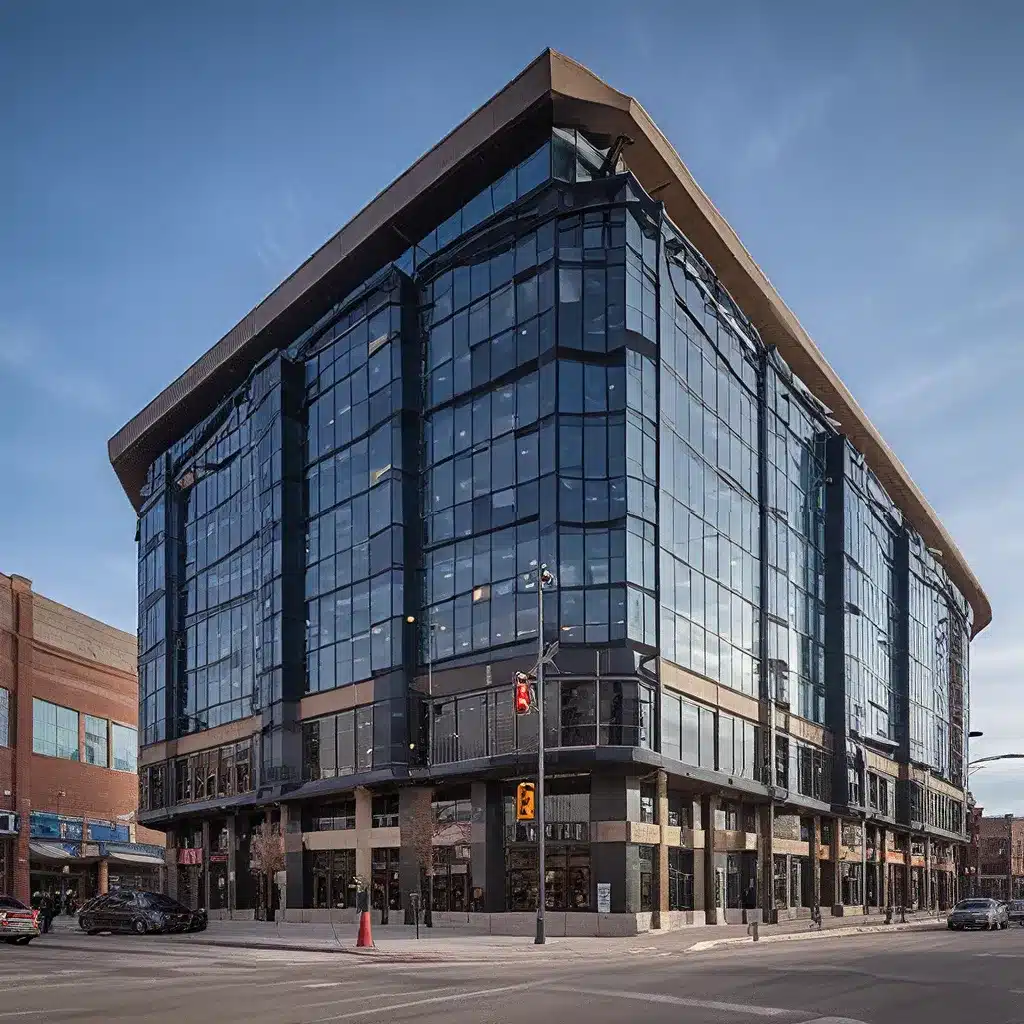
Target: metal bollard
753, 929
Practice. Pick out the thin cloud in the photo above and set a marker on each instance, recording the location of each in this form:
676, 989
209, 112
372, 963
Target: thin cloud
781, 128
26, 356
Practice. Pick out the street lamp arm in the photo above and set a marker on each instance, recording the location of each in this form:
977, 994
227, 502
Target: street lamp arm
995, 757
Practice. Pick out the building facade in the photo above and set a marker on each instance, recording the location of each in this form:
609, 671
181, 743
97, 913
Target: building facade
543, 346
68, 752
995, 863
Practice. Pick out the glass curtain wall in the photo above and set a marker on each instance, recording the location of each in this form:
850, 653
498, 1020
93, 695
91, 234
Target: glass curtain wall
938, 638
871, 615
709, 532
795, 543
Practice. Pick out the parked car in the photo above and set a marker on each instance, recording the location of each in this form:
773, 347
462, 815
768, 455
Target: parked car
144, 913
18, 924
1015, 909
978, 913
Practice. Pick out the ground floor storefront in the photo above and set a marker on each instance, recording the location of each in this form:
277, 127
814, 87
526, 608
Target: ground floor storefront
643, 845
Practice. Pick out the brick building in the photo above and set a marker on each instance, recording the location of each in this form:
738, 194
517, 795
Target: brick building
996, 860
68, 782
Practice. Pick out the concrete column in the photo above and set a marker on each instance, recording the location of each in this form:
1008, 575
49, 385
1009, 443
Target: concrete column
364, 842
171, 858
767, 847
883, 867
103, 877
487, 845
927, 874
709, 809
837, 867
206, 865
816, 862
233, 857
699, 885
661, 868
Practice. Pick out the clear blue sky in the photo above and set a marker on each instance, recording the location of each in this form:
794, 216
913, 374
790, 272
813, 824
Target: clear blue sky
163, 166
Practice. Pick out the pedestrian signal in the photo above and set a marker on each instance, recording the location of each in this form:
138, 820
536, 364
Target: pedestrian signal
526, 807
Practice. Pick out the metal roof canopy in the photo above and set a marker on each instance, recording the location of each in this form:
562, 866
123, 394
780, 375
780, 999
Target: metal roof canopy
557, 87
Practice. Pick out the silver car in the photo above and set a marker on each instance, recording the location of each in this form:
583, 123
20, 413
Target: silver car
978, 913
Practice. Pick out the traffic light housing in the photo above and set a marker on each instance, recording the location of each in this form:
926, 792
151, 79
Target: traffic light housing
523, 696
526, 807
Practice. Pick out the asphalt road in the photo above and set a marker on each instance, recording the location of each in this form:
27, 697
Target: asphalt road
904, 978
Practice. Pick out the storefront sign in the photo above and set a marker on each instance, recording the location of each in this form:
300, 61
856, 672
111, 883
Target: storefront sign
604, 897
190, 856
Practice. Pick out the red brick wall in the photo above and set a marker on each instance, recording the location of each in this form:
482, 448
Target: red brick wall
59, 655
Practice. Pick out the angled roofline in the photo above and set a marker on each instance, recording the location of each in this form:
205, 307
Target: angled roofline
557, 86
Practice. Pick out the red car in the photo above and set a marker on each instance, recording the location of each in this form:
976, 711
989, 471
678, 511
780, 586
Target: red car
18, 924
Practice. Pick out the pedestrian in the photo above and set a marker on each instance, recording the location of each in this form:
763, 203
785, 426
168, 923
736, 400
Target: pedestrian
46, 911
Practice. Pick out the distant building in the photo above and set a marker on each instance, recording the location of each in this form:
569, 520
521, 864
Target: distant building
543, 344
996, 857
68, 752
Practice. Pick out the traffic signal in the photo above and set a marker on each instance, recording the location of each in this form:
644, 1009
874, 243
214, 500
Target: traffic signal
523, 699
525, 801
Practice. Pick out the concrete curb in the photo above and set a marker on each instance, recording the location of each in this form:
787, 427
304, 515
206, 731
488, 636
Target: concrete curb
372, 954
746, 940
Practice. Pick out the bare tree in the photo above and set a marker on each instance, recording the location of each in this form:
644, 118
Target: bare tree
266, 859
424, 832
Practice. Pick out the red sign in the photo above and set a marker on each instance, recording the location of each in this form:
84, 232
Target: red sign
190, 856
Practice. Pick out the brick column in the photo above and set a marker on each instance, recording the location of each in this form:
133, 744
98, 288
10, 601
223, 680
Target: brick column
23, 685
364, 822
661, 874
103, 876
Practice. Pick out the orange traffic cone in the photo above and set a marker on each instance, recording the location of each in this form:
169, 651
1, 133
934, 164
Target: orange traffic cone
365, 935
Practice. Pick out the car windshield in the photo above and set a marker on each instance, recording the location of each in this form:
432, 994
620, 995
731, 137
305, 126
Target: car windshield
157, 902
10, 903
974, 905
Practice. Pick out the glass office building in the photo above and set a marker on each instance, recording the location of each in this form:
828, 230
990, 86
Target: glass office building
536, 350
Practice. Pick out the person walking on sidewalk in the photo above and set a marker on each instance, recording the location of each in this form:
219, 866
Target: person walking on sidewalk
46, 911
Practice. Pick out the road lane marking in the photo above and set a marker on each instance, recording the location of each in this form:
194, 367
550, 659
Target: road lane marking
425, 1002
40, 1013
696, 1004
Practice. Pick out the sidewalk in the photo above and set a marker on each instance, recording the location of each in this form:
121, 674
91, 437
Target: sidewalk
398, 943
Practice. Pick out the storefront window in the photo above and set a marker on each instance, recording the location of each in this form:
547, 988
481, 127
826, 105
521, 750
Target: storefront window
779, 878
648, 857
567, 877
851, 888
333, 874
680, 879
384, 884
451, 879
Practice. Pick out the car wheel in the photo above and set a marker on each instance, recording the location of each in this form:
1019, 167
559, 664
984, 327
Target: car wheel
139, 926
24, 940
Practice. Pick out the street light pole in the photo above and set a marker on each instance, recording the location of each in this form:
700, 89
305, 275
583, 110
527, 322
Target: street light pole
543, 576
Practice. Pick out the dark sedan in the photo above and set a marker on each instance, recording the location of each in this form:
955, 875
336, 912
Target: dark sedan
144, 913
